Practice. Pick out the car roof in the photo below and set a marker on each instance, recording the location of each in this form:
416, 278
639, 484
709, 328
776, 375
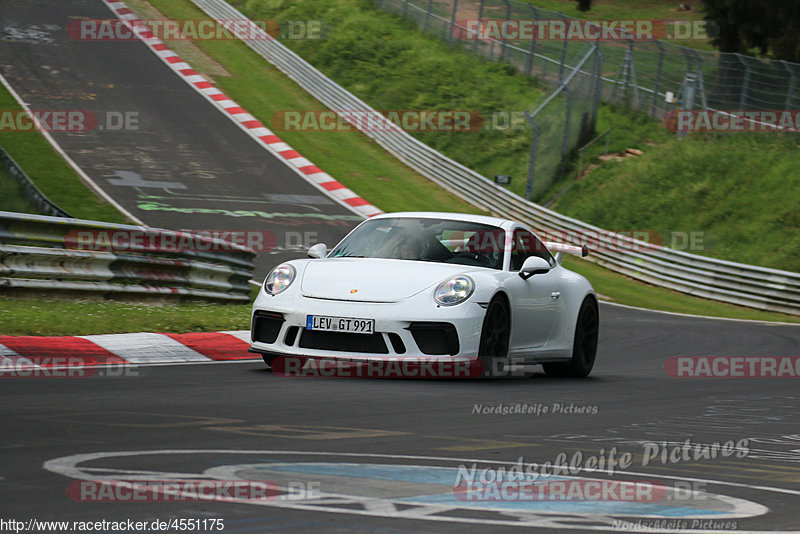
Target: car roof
467, 217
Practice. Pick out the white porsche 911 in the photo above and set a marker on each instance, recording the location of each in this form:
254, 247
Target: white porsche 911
421, 286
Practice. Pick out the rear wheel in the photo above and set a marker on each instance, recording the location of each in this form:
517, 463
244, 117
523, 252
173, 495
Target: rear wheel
584, 346
493, 351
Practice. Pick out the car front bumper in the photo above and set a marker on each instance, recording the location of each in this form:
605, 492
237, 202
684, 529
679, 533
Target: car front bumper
414, 328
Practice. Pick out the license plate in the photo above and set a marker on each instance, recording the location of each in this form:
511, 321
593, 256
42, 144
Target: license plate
351, 325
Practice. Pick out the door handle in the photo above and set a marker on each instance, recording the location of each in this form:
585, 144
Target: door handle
555, 294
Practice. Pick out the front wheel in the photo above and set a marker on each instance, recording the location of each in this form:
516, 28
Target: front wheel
584, 346
493, 351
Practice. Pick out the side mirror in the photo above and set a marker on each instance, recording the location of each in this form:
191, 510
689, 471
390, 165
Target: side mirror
320, 250
534, 265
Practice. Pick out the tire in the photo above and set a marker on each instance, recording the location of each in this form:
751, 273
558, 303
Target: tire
495, 333
584, 346
268, 359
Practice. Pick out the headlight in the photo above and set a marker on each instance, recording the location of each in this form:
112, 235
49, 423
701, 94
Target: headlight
279, 278
454, 291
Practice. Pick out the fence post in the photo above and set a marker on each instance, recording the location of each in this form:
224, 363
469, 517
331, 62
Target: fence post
689, 91
503, 42
563, 53
700, 85
480, 17
792, 84
453, 20
532, 161
428, 15
626, 73
597, 76
658, 77
745, 83
565, 142
532, 49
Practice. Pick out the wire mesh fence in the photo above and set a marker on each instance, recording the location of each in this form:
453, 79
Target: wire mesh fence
562, 121
650, 75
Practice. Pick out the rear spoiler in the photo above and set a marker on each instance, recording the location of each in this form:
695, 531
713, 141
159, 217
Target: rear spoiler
561, 248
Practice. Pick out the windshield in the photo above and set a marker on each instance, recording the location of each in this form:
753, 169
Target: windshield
434, 240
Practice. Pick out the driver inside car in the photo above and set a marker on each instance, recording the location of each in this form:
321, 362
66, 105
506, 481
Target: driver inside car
401, 245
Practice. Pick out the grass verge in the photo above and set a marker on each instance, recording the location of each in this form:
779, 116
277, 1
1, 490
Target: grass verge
623, 290
349, 156
12, 195
51, 174
654, 10
58, 316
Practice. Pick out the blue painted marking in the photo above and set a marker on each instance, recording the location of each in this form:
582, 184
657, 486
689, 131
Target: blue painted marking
446, 476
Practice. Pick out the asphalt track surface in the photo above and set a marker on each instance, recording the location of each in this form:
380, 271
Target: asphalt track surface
188, 154
243, 422
369, 454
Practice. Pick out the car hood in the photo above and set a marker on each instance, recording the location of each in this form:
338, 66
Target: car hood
372, 279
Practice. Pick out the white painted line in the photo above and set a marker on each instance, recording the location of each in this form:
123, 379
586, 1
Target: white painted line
364, 210
83, 176
678, 314
69, 466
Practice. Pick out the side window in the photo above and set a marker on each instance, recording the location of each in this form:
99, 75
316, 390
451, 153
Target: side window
526, 244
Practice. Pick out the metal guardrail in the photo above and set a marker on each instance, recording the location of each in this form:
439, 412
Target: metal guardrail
32, 193
55, 253
736, 283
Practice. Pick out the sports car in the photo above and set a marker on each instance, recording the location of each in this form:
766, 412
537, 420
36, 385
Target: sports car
421, 286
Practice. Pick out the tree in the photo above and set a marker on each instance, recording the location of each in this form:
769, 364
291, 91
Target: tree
767, 25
